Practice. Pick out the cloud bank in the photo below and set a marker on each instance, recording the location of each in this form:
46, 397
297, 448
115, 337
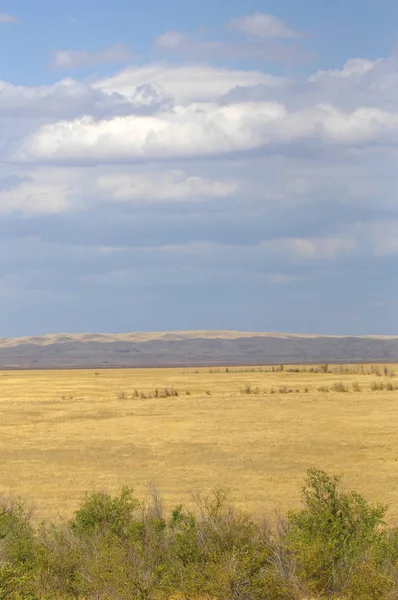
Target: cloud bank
186, 185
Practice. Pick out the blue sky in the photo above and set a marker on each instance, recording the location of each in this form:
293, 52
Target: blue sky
226, 165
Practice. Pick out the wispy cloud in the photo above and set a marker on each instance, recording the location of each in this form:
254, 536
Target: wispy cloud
262, 25
260, 50
264, 38
7, 18
74, 59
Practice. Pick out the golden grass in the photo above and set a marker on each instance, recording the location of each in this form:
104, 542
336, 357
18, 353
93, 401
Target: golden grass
64, 432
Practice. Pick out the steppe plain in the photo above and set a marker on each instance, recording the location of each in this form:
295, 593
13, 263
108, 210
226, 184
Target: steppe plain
252, 430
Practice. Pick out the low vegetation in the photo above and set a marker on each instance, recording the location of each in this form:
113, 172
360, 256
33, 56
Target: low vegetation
116, 547
378, 370
253, 430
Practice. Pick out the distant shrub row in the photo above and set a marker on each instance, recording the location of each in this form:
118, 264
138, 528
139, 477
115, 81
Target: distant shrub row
256, 390
339, 387
117, 548
157, 393
377, 370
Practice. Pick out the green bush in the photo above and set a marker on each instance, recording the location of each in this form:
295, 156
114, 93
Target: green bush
100, 513
336, 546
334, 532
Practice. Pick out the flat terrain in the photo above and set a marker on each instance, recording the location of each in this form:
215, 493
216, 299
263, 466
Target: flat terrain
64, 432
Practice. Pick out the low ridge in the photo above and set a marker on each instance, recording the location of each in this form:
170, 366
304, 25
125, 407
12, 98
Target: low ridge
190, 348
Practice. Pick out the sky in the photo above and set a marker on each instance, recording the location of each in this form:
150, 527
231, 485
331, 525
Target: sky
198, 165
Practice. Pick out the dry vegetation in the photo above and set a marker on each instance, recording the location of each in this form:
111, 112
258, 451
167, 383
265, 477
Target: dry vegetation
255, 431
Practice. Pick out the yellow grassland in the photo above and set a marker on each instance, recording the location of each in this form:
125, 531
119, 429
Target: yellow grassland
65, 432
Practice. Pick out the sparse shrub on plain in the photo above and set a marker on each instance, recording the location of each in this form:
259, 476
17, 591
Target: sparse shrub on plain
339, 387
169, 393
377, 386
247, 389
356, 387
324, 389
375, 370
284, 390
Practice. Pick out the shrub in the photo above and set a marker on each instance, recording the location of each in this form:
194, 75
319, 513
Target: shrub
388, 372
377, 386
247, 389
374, 370
16, 533
339, 387
18, 548
100, 512
336, 546
332, 534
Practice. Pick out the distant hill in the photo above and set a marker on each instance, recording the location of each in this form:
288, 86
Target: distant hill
191, 348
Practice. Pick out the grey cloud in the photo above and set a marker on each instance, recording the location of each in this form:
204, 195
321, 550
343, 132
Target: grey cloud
261, 51
321, 218
143, 287
7, 18
262, 25
360, 83
75, 59
69, 99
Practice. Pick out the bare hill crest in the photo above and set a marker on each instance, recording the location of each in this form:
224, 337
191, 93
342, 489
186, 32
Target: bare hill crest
191, 348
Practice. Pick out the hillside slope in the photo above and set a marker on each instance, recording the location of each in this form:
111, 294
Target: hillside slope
191, 348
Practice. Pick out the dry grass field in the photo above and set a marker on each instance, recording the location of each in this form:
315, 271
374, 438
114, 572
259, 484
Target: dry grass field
253, 431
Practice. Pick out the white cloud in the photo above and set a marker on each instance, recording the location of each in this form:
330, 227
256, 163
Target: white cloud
283, 278
25, 108
353, 67
52, 190
321, 248
187, 131
359, 83
260, 50
172, 185
74, 59
206, 129
262, 25
185, 83
44, 191
171, 39
378, 238
7, 18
